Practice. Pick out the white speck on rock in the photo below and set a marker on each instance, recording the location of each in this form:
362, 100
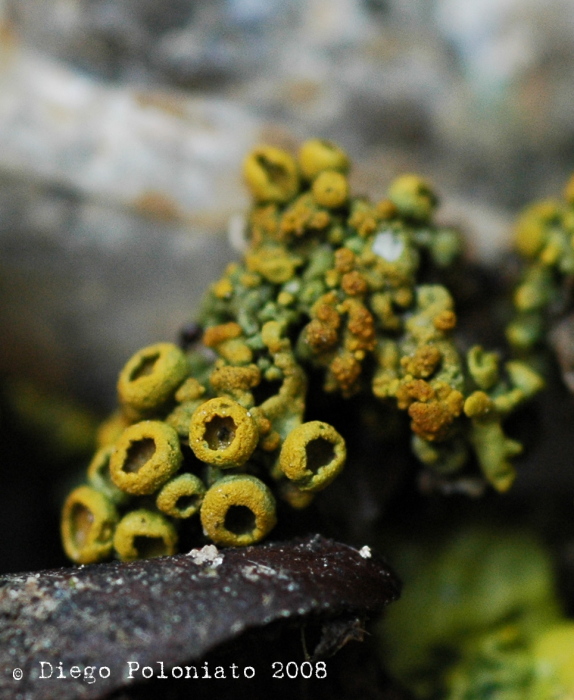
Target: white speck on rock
208, 554
387, 246
365, 552
252, 572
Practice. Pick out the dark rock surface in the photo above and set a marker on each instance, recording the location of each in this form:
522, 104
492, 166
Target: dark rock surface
171, 611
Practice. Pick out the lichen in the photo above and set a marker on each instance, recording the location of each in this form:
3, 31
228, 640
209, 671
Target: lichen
332, 289
479, 619
142, 534
238, 510
544, 238
88, 525
312, 455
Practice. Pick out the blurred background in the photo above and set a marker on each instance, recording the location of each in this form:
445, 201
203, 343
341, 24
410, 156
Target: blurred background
123, 124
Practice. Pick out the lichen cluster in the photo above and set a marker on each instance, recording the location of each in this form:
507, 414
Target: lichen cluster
480, 618
544, 237
345, 280
191, 439
330, 285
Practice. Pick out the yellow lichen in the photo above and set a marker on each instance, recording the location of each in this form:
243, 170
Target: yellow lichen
143, 534
263, 223
145, 457
238, 510
317, 155
223, 433
295, 497
329, 290
271, 174
216, 335
99, 475
236, 382
413, 197
343, 375
110, 430
88, 523
445, 321
432, 408
478, 404
285, 408
531, 230
364, 218
423, 362
190, 390
273, 263
331, 189
354, 284
181, 497
302, 216
151, 377
312, 455
223, 289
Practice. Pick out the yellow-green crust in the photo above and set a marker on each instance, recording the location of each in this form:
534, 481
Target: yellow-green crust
330, 189
181, 496
238, 510
271, 174
142, 534
413, 197
145, 457
333, 293
99, 475
88, 522
313, 454
317, 155
110, 430
223, 433
150, 378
